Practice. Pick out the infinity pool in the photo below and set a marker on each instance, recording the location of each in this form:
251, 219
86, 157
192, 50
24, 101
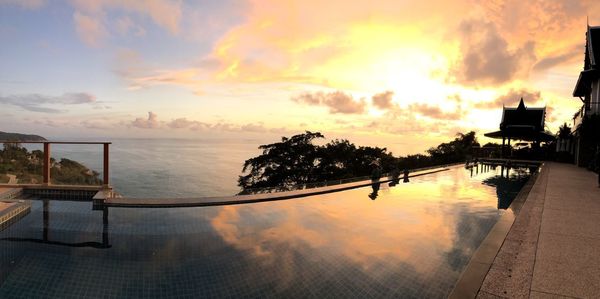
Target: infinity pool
412, 240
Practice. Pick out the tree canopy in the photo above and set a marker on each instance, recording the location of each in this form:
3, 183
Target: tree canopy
296, 160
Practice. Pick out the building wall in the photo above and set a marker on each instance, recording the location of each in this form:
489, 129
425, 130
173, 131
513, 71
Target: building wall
595, 99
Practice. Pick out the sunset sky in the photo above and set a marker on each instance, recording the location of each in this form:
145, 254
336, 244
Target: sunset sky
406, 75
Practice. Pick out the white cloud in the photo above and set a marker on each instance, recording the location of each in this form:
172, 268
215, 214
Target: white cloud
39, 103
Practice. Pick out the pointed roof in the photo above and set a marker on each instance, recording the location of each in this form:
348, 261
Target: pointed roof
521, 105
592, 56
522, 123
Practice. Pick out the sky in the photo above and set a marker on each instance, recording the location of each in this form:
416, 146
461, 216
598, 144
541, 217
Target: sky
405, 75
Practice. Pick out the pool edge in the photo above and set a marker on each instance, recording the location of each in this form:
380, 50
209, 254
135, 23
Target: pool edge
471, 278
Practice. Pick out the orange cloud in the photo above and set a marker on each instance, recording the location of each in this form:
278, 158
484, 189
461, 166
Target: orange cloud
395, 229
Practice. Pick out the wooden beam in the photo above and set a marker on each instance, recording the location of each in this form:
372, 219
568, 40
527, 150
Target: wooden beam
46, 169
106, 165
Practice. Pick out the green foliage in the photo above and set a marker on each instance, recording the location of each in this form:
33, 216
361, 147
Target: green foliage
296, 160
27, 166
282, 163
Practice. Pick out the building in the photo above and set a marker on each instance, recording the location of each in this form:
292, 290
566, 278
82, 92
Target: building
587, 89
522, 123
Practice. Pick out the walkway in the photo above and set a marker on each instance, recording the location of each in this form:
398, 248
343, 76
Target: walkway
551, 249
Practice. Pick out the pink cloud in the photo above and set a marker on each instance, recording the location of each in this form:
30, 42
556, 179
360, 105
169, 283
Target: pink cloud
151, 122
89, 29
165, 13
338, 102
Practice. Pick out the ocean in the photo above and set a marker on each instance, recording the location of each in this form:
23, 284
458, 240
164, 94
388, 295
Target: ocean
155, 168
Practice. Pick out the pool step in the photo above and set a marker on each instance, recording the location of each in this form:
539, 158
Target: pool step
12, 211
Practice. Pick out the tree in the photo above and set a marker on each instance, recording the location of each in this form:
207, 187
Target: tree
564, 131
454, 151
296, 160
282, 164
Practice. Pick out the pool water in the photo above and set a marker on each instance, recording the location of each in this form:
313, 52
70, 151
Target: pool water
412, 240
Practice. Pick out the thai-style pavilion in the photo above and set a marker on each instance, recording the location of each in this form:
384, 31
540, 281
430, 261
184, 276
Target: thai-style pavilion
522, 123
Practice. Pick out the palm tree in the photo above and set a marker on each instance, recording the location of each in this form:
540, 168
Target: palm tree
564, 131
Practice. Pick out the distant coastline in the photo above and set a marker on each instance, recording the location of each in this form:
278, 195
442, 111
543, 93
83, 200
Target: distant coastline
5, 136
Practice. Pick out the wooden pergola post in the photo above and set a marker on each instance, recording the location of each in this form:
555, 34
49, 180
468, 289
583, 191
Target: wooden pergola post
106, 166
46, 169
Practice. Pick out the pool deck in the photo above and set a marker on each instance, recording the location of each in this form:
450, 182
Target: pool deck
551, 248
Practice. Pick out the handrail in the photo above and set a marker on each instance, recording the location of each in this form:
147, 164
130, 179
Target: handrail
58, 142
47, 166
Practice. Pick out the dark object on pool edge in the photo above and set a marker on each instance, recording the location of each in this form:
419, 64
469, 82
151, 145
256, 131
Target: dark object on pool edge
405, 176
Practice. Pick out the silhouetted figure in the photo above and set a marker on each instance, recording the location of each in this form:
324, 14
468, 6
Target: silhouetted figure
395, 176
375, 176
405, 180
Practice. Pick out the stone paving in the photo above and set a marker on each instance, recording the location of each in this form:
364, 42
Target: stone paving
551, 250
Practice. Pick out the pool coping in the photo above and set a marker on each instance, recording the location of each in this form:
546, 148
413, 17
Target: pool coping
103, 199
471, 279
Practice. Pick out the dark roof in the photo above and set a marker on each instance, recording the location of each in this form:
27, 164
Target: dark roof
593, 40
523, 117
591, 60
527, 134
522, 123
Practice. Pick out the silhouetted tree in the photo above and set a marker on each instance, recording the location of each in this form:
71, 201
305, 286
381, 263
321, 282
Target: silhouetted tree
296, 160
454, 151
282, 164
564, 131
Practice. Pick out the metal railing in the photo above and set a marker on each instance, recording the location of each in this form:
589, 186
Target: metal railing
46, 165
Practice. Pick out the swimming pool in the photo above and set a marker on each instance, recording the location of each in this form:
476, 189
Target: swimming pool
412, 240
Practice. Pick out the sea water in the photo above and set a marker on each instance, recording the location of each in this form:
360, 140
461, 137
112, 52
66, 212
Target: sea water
167, 167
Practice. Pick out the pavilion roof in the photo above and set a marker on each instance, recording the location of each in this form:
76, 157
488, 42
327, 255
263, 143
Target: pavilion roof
591, 61
522, 123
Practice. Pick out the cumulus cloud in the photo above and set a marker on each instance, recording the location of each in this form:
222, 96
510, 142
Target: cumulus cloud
39, 103
434, 112
383, 100
511, 98
486, 55
151, 122
337, 102
89, 29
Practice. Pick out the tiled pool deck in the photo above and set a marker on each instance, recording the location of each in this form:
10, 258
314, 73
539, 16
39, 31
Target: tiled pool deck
551, 248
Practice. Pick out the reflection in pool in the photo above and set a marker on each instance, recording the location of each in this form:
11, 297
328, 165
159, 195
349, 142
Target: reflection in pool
413, 240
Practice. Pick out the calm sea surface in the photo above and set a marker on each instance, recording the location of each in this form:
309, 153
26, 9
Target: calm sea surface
168, 167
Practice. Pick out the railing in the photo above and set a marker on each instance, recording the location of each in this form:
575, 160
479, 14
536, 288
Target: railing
46, 166
333, 182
